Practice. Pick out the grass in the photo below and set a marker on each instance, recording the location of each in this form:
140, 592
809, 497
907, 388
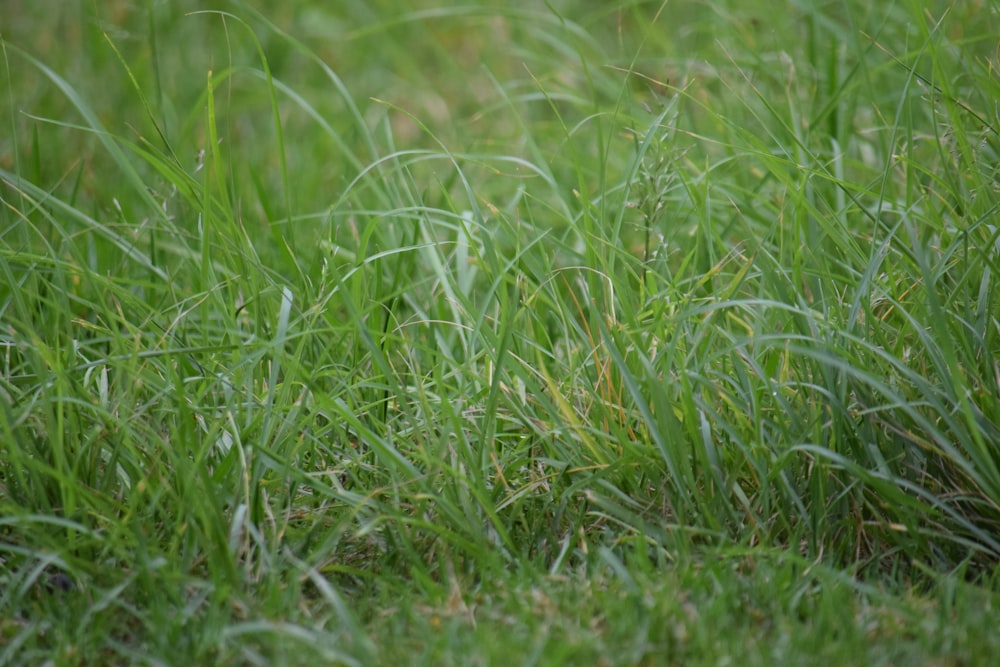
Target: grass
568, 333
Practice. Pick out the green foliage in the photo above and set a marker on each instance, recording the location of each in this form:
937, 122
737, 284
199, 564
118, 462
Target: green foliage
367, 334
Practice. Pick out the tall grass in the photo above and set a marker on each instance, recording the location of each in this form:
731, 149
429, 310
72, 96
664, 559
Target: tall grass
300, 304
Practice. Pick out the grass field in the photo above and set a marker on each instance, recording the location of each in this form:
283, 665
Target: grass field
635, 333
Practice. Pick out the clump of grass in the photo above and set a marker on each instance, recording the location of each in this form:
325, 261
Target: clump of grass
306, 346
